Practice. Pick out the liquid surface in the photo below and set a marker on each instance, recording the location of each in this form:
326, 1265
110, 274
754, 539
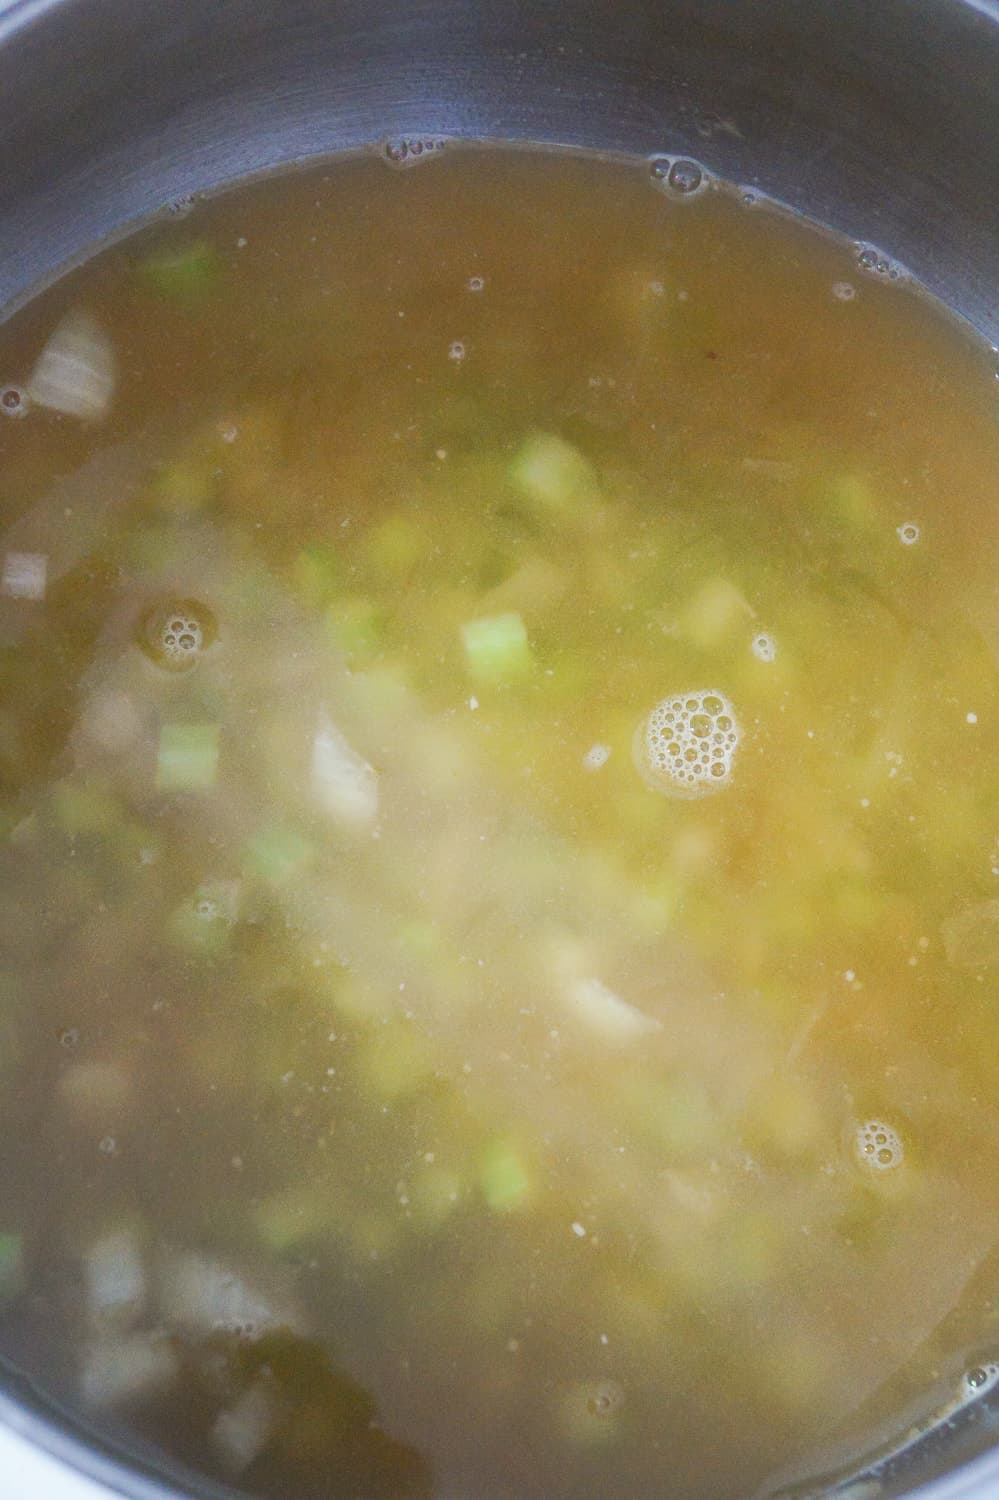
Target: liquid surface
500, 816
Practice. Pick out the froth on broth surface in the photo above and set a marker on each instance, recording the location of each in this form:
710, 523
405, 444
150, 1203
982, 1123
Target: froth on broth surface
500, 810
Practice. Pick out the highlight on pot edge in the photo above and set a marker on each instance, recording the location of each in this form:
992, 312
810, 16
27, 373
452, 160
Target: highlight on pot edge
500, 841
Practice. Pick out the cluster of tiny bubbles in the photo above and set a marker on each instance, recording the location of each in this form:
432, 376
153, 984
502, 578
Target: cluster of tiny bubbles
763, 646
878, 1146
595, 757
844, 291
679, 174
179, 208
687, 744
876, 264
979, 1380
908, 533
406, 151
14, 401
457, 352
176, 634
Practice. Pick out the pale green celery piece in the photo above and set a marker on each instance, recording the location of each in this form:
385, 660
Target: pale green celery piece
276, 852
85, 809
287, 1219
185, 274
11, 1266
503, 1177
188, 759
395, 1062
203, 923
188, 485
553, 475
355, 627
497, 649
315, 575
397, 544
715, 612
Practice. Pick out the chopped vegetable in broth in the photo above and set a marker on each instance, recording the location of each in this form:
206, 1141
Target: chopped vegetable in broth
500, 841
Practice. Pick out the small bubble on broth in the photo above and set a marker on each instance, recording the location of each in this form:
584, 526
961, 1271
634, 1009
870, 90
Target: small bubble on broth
14, 402
607, 1398
844, 291
456, 353
475, 283
878, 1147
764, 647
980, 1379
686, 746
408, 151
595, 757
176, 634
908, 533
679, 175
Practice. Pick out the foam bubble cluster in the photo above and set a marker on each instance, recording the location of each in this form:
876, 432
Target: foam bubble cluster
878, 1146
687, 744
177, 634
764, 647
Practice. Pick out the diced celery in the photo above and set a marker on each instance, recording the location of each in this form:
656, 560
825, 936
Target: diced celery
187, 486
11, 1266
81, 809
188, 759
714, 612
355, 627
396, 544
202, 924
276, 852
287, 1219
503, 1176
497, 649
315, 574
553, 474
184, 274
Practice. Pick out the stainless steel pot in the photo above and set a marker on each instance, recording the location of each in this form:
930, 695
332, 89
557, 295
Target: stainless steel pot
880, 119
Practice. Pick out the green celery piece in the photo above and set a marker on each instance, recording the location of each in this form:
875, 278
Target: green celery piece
315, 575
188, 759
503, 1177
553, 475
276, 853
497, 649
185, 274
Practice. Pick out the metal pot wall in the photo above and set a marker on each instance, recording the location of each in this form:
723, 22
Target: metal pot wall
881, 120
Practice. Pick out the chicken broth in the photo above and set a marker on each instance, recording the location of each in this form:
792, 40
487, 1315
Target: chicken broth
500, 818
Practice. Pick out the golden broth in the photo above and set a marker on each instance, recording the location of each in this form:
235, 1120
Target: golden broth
418, 1080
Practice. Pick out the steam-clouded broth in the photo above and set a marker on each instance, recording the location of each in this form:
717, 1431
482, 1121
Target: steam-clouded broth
500, 834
